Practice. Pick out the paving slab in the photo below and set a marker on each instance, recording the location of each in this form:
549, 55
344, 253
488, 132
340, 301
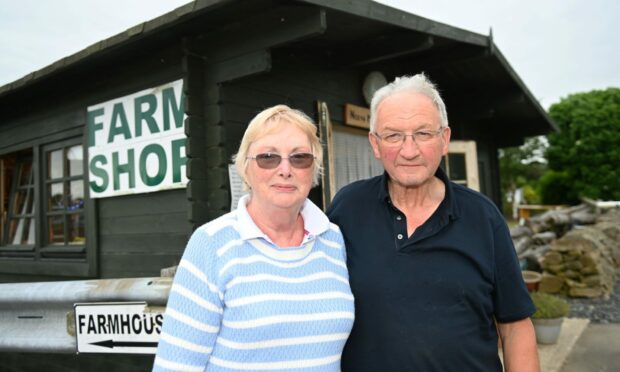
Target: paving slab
598, 350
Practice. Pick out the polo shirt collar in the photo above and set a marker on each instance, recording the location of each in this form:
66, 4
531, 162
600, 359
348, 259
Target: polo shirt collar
315, 221
448, 208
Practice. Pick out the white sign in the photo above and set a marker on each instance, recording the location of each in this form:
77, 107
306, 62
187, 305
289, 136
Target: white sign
136, 143
124, 327
236, 186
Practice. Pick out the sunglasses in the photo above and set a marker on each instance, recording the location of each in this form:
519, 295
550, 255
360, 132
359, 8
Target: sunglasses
269, 160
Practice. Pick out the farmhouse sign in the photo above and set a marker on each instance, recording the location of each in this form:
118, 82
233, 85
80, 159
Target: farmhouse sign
136, 143
117, 327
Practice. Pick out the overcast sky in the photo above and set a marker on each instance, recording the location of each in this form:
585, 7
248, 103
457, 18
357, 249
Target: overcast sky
557, 47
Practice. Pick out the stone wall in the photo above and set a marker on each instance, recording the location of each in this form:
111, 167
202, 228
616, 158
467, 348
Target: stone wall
576, 259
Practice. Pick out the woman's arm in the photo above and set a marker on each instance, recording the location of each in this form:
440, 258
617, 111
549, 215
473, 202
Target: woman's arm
193, 313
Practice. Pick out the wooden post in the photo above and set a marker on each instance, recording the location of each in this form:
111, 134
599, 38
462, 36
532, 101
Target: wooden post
328, 180
2, 201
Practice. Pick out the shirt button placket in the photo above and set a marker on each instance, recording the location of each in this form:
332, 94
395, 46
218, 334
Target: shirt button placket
399, 218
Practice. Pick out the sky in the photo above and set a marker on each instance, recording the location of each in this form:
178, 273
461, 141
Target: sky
557, 47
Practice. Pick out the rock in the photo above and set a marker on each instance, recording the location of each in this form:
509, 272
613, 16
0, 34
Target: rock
562, 246
552, 258
590, 258
544, 237
522, 244
611, 229
588, 239
572, 255
571, 274
616, 257
574, 265
555, 269
583, 217
582, 262
585, 292
520, 231
575, 284
589, 270
592, 280
551, 283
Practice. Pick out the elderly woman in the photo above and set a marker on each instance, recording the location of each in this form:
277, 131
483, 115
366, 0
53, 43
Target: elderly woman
264, 287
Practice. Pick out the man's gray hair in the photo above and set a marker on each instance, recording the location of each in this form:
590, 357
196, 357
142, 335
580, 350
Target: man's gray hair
418, 83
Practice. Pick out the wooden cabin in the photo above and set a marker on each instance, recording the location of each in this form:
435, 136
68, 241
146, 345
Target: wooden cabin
110, 157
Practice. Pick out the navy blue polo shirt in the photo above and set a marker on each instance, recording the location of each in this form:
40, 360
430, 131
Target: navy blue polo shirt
427, 302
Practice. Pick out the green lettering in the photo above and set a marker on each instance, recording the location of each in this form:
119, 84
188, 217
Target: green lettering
178, 158
119, 123
93, 126
170, 103
161, 160
98, 172
128, 168
146, 115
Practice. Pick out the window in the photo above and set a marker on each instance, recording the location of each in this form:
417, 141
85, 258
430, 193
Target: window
17, 183
353, 157
461, 164
64, 225
44, 211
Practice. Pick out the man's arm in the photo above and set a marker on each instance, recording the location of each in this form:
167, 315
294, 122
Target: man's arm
519, 346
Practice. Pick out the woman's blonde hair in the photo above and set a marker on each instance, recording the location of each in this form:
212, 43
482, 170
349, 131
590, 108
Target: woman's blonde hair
269, 121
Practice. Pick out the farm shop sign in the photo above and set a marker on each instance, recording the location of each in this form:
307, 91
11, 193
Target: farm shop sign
136, 143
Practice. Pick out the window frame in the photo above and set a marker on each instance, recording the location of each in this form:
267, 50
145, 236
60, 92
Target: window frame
468, 150
24, 249
46, 245
62, 267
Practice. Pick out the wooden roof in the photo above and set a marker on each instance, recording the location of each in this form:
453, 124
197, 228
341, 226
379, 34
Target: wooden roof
479, 86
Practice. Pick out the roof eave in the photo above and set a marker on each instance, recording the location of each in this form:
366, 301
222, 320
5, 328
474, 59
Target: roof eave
134, 33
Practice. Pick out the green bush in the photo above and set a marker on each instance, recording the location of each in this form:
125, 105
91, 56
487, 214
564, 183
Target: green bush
556, 188
548, 306
586, 150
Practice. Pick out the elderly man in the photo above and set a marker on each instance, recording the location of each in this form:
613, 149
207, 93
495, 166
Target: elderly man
432, 265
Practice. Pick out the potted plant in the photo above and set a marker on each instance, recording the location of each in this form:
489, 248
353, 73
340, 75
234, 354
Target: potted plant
550, 312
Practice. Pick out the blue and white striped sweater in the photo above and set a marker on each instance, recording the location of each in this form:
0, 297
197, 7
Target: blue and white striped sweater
245, 304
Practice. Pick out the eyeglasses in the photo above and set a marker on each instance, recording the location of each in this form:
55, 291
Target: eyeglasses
397, 138
270, 160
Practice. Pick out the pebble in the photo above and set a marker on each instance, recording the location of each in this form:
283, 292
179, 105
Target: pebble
598, 310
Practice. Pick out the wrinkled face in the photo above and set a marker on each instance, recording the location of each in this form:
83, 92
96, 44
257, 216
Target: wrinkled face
410, 163
283, 186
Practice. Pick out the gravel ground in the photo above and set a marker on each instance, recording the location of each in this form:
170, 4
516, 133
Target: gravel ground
598, 310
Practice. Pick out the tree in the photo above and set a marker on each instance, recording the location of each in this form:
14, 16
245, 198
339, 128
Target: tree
584, 157
521, 167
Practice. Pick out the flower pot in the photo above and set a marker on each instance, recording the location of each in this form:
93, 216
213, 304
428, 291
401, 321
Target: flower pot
547, 330
531, 279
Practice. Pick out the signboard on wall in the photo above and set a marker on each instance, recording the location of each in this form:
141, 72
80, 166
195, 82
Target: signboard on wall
136, 143
356, 116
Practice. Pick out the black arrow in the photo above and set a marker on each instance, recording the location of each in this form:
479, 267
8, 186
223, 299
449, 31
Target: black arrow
111, 344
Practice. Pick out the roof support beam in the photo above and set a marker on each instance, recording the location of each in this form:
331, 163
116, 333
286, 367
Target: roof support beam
277, 27
379, 49
241, 66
